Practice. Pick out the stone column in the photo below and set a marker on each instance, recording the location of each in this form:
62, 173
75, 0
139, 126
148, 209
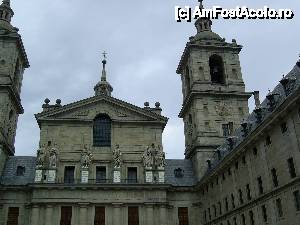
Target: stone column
83, 214
163, 215
49, 215
35, 215
117, 216
149, 214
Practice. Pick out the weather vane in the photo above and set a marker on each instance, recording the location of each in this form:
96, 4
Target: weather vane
104, 54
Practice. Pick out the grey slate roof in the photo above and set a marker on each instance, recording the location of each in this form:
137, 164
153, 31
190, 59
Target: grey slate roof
188, 178
9, 176
280, 96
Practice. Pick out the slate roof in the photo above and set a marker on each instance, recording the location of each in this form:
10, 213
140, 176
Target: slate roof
188, 178
9, 176
280, 95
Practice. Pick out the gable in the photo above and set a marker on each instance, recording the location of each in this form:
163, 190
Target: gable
88, 109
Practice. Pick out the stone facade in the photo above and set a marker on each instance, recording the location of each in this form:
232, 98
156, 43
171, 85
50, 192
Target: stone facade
101, 160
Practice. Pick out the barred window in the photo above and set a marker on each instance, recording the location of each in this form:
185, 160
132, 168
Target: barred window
102, 131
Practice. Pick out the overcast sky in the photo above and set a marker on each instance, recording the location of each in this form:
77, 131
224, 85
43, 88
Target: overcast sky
64, 40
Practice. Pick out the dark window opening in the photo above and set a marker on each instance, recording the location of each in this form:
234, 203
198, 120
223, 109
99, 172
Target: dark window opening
229, 171
178, 173
102, 131
215, 210
20, 171
99, 215
292, 169
274, 177
209, 214
283, 127
297, 200
66, 215
234, 221
183, 216
228, 222
100, 174
132, 175
251, 215
260, 185
216, 69
279, 207
244, 160
268, 140
69, 174
248, 192
255, 151
236, 165
225, 128
223, 175
13, 216
264, 213
243, 219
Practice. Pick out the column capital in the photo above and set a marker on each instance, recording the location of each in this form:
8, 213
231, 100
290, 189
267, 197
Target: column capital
117, 205
83, 204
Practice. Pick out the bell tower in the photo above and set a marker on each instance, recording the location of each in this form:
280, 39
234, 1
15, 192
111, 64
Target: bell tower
13, 61
214, 97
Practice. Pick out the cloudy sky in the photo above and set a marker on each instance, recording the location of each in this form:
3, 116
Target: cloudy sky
64, 40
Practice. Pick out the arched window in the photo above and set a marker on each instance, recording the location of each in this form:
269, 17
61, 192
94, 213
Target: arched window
216, 69
102, 131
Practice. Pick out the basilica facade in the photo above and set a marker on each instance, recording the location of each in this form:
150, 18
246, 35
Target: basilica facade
101, 160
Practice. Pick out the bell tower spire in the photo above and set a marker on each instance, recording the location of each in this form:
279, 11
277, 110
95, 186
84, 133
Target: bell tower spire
214, 97
103, 87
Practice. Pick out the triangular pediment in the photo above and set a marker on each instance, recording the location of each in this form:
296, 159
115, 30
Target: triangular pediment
88, 109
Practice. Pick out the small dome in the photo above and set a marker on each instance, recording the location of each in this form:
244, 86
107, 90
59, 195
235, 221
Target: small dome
207, 35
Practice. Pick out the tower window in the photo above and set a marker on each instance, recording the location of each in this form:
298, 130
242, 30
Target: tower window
241, 197
264, 212
283, 127
132, 175
268, 141
102, 131
248, 192
216, 69
100, 174
260, 185
251, 215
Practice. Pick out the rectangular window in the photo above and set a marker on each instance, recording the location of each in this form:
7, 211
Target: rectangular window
291, 168
268, 140
225, 128
66, 215
205, 216
255, 151
183, 216
132, 175
228, 222
241, 197
274, 177
133, 215
99, 216
244, 160
260, 185
209, 214
283, 127
248, 192
100, 174
264, 213
297, 200
236, 165
13, 216
229, 171
243, 219
69, 174
251, 215
279, 207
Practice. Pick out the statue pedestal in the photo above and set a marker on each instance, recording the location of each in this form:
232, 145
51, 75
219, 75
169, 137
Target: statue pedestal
117, 175
51, 176
161, 175
38, 176
84, 176
148, 175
